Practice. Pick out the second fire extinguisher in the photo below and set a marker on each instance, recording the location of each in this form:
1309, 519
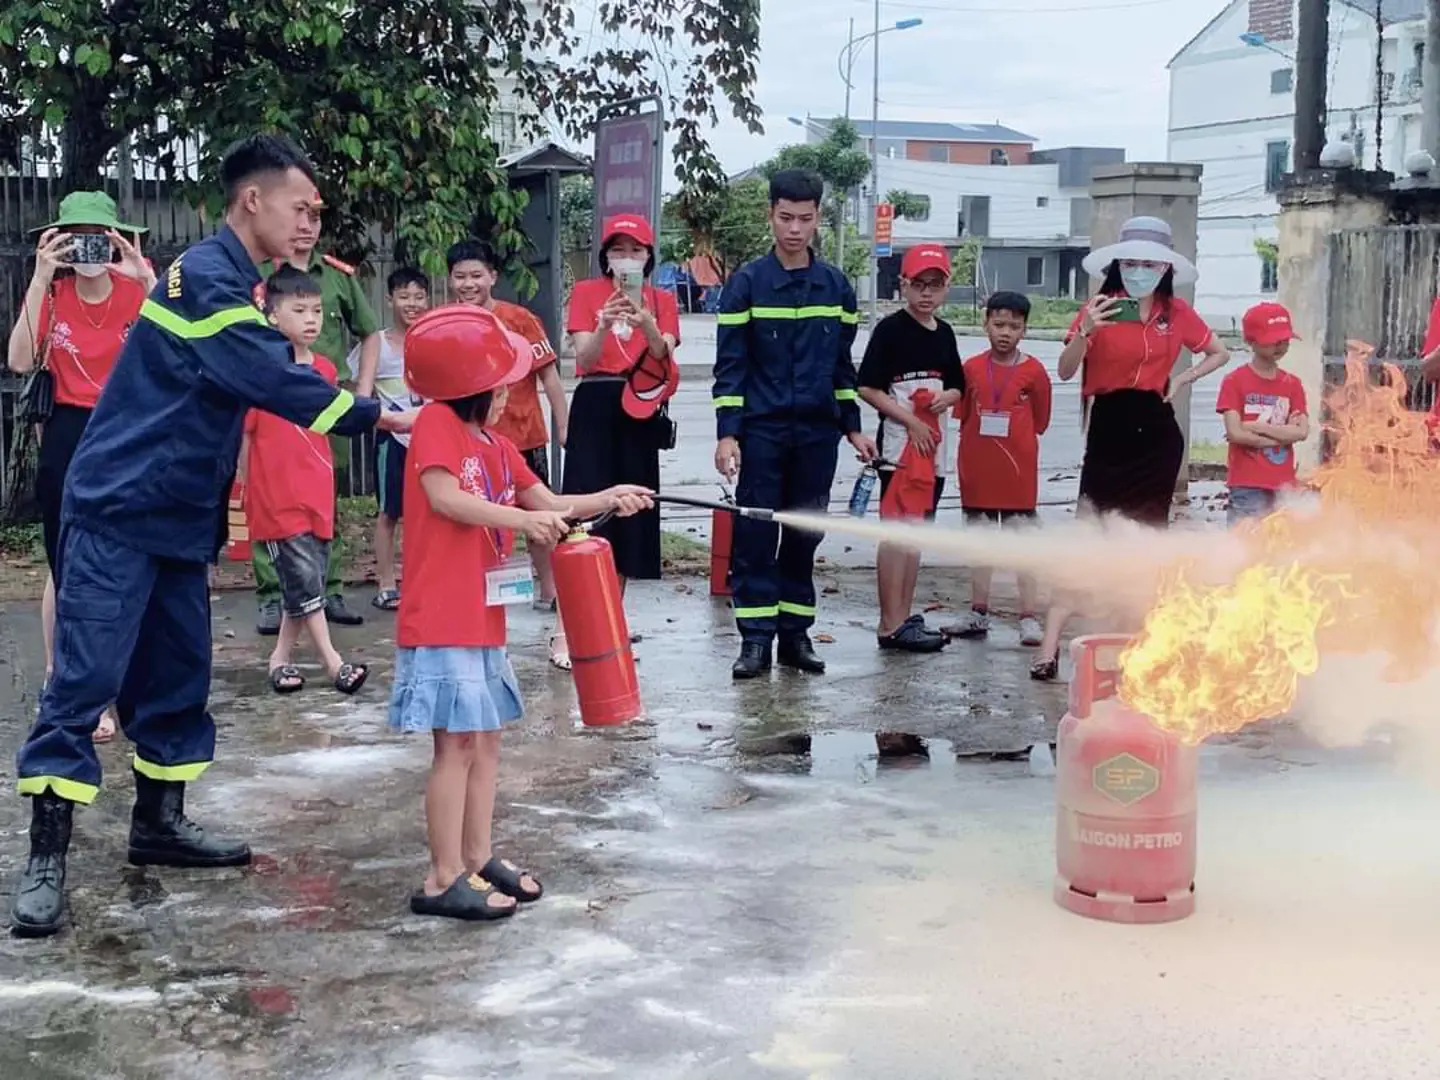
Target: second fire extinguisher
592, 614
722, 539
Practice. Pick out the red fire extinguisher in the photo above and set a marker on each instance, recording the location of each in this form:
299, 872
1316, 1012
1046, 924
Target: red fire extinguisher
592, 613
237, 546
722, 539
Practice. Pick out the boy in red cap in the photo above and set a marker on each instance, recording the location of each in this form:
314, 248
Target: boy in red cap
1265, 416
912, 377
468, 490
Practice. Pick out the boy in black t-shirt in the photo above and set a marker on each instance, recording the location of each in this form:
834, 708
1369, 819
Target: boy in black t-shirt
912, 376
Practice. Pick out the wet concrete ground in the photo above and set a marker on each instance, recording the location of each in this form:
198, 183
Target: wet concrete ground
737, 888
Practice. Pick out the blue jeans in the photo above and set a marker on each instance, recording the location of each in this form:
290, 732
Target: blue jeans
1249, 502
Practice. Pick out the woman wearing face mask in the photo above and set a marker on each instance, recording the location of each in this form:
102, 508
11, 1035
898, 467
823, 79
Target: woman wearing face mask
81, 302
625, 333
1126, 342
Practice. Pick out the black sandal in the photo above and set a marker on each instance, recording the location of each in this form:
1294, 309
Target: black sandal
506, 876
351, 677
468, 898
1045, 670
286, 679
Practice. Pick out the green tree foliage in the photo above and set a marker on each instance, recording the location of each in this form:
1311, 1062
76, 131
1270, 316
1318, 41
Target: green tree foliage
964, 262
838, 159
741, 229
392, 101
577, 213
907, 204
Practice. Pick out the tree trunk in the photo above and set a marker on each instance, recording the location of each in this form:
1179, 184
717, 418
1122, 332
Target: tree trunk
86, 138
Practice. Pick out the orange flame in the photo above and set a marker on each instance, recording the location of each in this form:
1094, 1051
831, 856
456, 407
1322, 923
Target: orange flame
1354, 575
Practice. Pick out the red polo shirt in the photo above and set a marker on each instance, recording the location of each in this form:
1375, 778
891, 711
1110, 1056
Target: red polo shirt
1140, 356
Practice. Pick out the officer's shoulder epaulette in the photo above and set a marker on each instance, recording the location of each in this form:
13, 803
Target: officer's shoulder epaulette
343, 267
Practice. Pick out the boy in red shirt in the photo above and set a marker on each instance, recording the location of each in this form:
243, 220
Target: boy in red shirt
289, 480
1005, 411
1265, 416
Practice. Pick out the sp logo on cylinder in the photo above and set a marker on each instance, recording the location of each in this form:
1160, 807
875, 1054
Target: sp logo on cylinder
1126, 779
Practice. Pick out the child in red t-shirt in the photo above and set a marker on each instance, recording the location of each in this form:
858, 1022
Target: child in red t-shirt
1005, 411
289, 481
1265, 416
468, 491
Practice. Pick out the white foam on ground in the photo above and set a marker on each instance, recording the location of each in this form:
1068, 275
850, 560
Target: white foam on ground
58, 988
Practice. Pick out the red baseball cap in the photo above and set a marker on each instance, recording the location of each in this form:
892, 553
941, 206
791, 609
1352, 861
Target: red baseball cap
651, 383
457, 350
631, 225
1268, 324
924, 257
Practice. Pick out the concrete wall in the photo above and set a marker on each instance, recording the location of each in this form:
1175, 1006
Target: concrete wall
1008, 268
1223, 114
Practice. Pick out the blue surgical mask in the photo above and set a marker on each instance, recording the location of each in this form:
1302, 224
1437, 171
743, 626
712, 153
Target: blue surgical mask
1141, 281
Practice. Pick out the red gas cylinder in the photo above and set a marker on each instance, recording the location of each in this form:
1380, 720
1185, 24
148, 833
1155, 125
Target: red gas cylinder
587, 591
237, 547
722, 536
1125, 830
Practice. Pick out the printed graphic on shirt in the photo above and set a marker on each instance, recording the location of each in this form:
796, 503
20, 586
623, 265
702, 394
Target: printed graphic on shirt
1268, 409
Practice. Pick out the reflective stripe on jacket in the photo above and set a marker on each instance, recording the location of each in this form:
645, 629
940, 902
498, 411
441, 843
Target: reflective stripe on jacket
783, 341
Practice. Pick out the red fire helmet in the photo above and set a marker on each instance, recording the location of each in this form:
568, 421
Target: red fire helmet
458, 350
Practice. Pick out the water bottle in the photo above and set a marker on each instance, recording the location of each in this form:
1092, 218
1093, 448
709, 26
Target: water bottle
864, 487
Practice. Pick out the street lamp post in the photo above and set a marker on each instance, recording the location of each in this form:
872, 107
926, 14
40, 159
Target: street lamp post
846, 63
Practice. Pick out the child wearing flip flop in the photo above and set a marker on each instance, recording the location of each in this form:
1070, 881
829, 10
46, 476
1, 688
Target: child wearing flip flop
468, 491
290, 496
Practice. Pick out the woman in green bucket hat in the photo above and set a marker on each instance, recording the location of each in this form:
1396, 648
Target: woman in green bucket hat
82, 299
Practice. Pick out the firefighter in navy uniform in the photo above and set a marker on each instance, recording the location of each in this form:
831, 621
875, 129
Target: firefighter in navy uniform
143, 499
785, 393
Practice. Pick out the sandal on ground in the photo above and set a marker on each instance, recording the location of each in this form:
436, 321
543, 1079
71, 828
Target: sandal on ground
506, 877
351, 677
105, 730
387, 600
912, 636
286, 679
1045, 670
560, 653
471, 898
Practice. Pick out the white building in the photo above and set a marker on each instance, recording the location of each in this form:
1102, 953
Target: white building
1232, 110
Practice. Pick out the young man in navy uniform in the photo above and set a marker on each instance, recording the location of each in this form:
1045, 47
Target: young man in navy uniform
141, 519
785, 393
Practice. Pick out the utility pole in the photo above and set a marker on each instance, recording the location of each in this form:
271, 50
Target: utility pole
1312, 47
1430, 81
845, 195
875, 175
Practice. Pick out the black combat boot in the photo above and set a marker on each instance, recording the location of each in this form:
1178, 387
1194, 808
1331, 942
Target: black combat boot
161, 834
754, 661
797, 652
39, 904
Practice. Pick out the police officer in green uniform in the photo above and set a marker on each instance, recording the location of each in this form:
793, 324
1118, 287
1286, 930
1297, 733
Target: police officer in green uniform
345, 307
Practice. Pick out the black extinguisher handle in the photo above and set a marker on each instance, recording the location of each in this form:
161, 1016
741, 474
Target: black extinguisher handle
587, 525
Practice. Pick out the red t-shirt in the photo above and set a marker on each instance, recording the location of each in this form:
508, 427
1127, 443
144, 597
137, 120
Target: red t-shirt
1140, 356
1002, 472
618, 357
290, 475
523, 421
443, 602
87, 338
1269, 401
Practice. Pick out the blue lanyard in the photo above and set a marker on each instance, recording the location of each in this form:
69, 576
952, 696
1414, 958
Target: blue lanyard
496, 535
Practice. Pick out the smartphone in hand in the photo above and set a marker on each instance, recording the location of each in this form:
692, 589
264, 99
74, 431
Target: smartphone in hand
1127, 309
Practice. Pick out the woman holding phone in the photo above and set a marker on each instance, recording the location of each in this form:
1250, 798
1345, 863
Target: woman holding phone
625, 333
1127, 341
85, 293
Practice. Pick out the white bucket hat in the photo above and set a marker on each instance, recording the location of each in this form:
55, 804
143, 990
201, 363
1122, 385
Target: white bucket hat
1144, 239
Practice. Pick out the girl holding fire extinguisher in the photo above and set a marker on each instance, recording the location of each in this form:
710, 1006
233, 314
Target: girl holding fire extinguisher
467, 492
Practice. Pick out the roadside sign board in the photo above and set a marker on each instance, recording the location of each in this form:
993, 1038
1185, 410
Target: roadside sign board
884, 228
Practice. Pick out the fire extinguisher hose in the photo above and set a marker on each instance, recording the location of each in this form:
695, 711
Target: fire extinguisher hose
712, 504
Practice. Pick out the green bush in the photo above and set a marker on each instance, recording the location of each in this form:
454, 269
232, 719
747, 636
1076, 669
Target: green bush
1046, 313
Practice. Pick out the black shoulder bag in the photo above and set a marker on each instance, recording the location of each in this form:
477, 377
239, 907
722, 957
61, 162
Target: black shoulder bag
37, 398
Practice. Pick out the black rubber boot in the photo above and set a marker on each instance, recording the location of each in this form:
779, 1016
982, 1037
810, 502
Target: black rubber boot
754, 661
337, 614
38, 908
161, 834
798, 653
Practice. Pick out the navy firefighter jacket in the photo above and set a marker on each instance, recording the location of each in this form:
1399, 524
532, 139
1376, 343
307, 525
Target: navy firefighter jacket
783, 348
154, 466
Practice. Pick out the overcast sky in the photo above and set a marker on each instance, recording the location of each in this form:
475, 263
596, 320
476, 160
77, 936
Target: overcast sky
1069, 72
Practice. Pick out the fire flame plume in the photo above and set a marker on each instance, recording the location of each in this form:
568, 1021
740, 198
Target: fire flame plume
1355, 573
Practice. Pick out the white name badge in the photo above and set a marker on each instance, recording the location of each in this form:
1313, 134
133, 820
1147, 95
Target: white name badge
995, 425
509, 583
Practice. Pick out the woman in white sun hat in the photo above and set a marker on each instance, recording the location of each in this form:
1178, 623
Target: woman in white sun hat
1127, 341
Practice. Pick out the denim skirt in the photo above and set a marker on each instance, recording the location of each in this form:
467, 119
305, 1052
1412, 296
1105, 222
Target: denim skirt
458, 690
